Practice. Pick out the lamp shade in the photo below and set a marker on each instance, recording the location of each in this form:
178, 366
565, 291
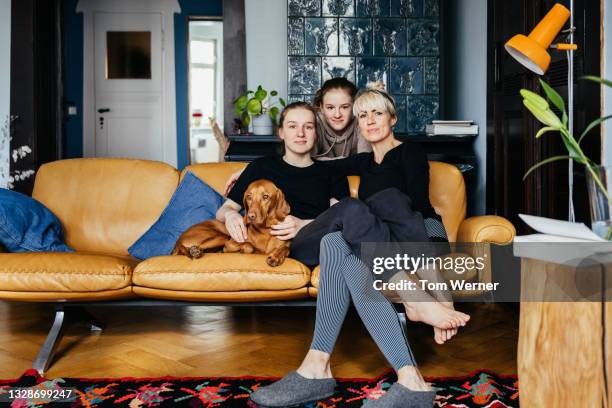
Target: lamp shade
532, 51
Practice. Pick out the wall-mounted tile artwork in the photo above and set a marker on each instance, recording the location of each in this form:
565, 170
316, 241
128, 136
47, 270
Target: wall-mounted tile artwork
395, 41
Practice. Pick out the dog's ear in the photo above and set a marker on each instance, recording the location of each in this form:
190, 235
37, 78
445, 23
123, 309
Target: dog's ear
279, 210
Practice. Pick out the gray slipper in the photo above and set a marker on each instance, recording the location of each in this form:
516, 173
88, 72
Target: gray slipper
399, 396
293, 389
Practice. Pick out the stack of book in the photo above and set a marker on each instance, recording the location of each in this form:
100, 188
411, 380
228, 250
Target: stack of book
452, 127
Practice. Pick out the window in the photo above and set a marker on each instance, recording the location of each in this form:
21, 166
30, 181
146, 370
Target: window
205, 87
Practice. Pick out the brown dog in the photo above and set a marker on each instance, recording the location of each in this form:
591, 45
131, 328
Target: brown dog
264, 205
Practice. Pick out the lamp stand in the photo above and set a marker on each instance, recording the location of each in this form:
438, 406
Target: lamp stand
570, 103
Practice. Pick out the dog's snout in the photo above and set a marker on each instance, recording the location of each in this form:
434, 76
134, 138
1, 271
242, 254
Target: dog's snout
251, 216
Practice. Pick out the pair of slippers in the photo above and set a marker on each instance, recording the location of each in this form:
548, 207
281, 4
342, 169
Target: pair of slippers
294, 390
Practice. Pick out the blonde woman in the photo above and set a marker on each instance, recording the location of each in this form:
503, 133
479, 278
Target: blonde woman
394, 206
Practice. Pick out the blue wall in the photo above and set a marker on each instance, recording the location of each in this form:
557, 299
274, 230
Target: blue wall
73, 79
188, 8
73, 74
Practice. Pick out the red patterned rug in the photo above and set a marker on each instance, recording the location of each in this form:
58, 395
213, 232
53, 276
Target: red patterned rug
478, 389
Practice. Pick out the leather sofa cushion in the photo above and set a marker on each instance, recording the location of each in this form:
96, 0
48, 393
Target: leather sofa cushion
63, 272
105, 204
223, 297
214, 174
219, 272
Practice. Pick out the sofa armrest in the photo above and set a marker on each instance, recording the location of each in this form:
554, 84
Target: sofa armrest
486, 228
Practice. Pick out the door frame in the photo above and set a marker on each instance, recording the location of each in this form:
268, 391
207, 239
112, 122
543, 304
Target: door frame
166, 8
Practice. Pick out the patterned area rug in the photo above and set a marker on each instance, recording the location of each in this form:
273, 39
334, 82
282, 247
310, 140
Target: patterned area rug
477, 389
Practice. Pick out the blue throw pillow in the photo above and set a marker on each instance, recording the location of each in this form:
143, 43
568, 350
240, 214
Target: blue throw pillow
28, 226
192, 202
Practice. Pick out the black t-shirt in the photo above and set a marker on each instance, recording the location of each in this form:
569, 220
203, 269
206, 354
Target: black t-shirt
307, 189
404, 167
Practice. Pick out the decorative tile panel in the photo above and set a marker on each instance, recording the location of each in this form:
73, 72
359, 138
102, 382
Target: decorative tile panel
372, 70
372, 8
389, 36
338, 67
406, 76
401, 107
423, 37
355, 36
338, 8
304, 74
406, 8
301, 8
421, 111
295, 34
395, 41
431, 8
432, 75
321, 36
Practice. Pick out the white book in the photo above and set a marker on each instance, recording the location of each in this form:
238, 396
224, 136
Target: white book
560, 242
453, 122
435, 129
565, 231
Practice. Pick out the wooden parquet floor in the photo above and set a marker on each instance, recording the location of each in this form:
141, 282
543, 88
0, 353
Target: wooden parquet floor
236, 341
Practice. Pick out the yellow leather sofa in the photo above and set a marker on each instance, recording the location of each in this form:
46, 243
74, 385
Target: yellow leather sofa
106, 204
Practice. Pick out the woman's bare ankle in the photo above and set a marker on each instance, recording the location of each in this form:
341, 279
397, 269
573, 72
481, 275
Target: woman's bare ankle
316, 365
410, 377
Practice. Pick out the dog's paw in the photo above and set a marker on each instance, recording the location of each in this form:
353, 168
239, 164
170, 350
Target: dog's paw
274, 261
195, 252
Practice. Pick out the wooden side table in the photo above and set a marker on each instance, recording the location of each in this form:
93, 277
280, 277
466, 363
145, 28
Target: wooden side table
564, 350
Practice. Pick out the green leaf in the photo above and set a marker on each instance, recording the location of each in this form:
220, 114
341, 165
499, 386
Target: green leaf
598, 80
553, 96
238, 112
282, 101
273, 93
565, 119
274, 113
574, 152
254, 106
593, 124
241, 102
261, 94
535, 99
543, 162
246, 119
544, 130
546, 116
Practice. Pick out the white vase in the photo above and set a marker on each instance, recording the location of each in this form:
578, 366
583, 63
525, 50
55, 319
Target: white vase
261, 125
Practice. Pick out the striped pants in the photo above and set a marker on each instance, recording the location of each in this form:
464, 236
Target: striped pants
344, 276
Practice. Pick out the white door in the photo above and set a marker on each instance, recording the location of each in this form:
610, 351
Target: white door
128, 74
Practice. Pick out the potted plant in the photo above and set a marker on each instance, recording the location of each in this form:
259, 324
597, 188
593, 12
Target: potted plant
258, 111
599, 178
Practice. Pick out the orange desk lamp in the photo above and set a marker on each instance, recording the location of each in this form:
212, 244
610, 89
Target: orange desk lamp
532, 52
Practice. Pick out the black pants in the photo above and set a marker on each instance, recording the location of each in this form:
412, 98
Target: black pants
386, 216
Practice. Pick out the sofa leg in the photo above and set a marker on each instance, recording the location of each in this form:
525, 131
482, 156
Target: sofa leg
83, 315
48, 349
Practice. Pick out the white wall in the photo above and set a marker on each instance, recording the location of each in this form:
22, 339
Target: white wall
5, 81
266, 44
466, 92
606, 55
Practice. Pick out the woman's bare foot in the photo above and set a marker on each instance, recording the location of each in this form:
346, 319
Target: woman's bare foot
443, 335
435, 314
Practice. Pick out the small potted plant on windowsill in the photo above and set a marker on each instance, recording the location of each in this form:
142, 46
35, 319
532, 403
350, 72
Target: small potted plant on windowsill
258, 111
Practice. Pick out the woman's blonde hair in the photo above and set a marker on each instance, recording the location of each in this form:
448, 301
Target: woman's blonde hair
374, 97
